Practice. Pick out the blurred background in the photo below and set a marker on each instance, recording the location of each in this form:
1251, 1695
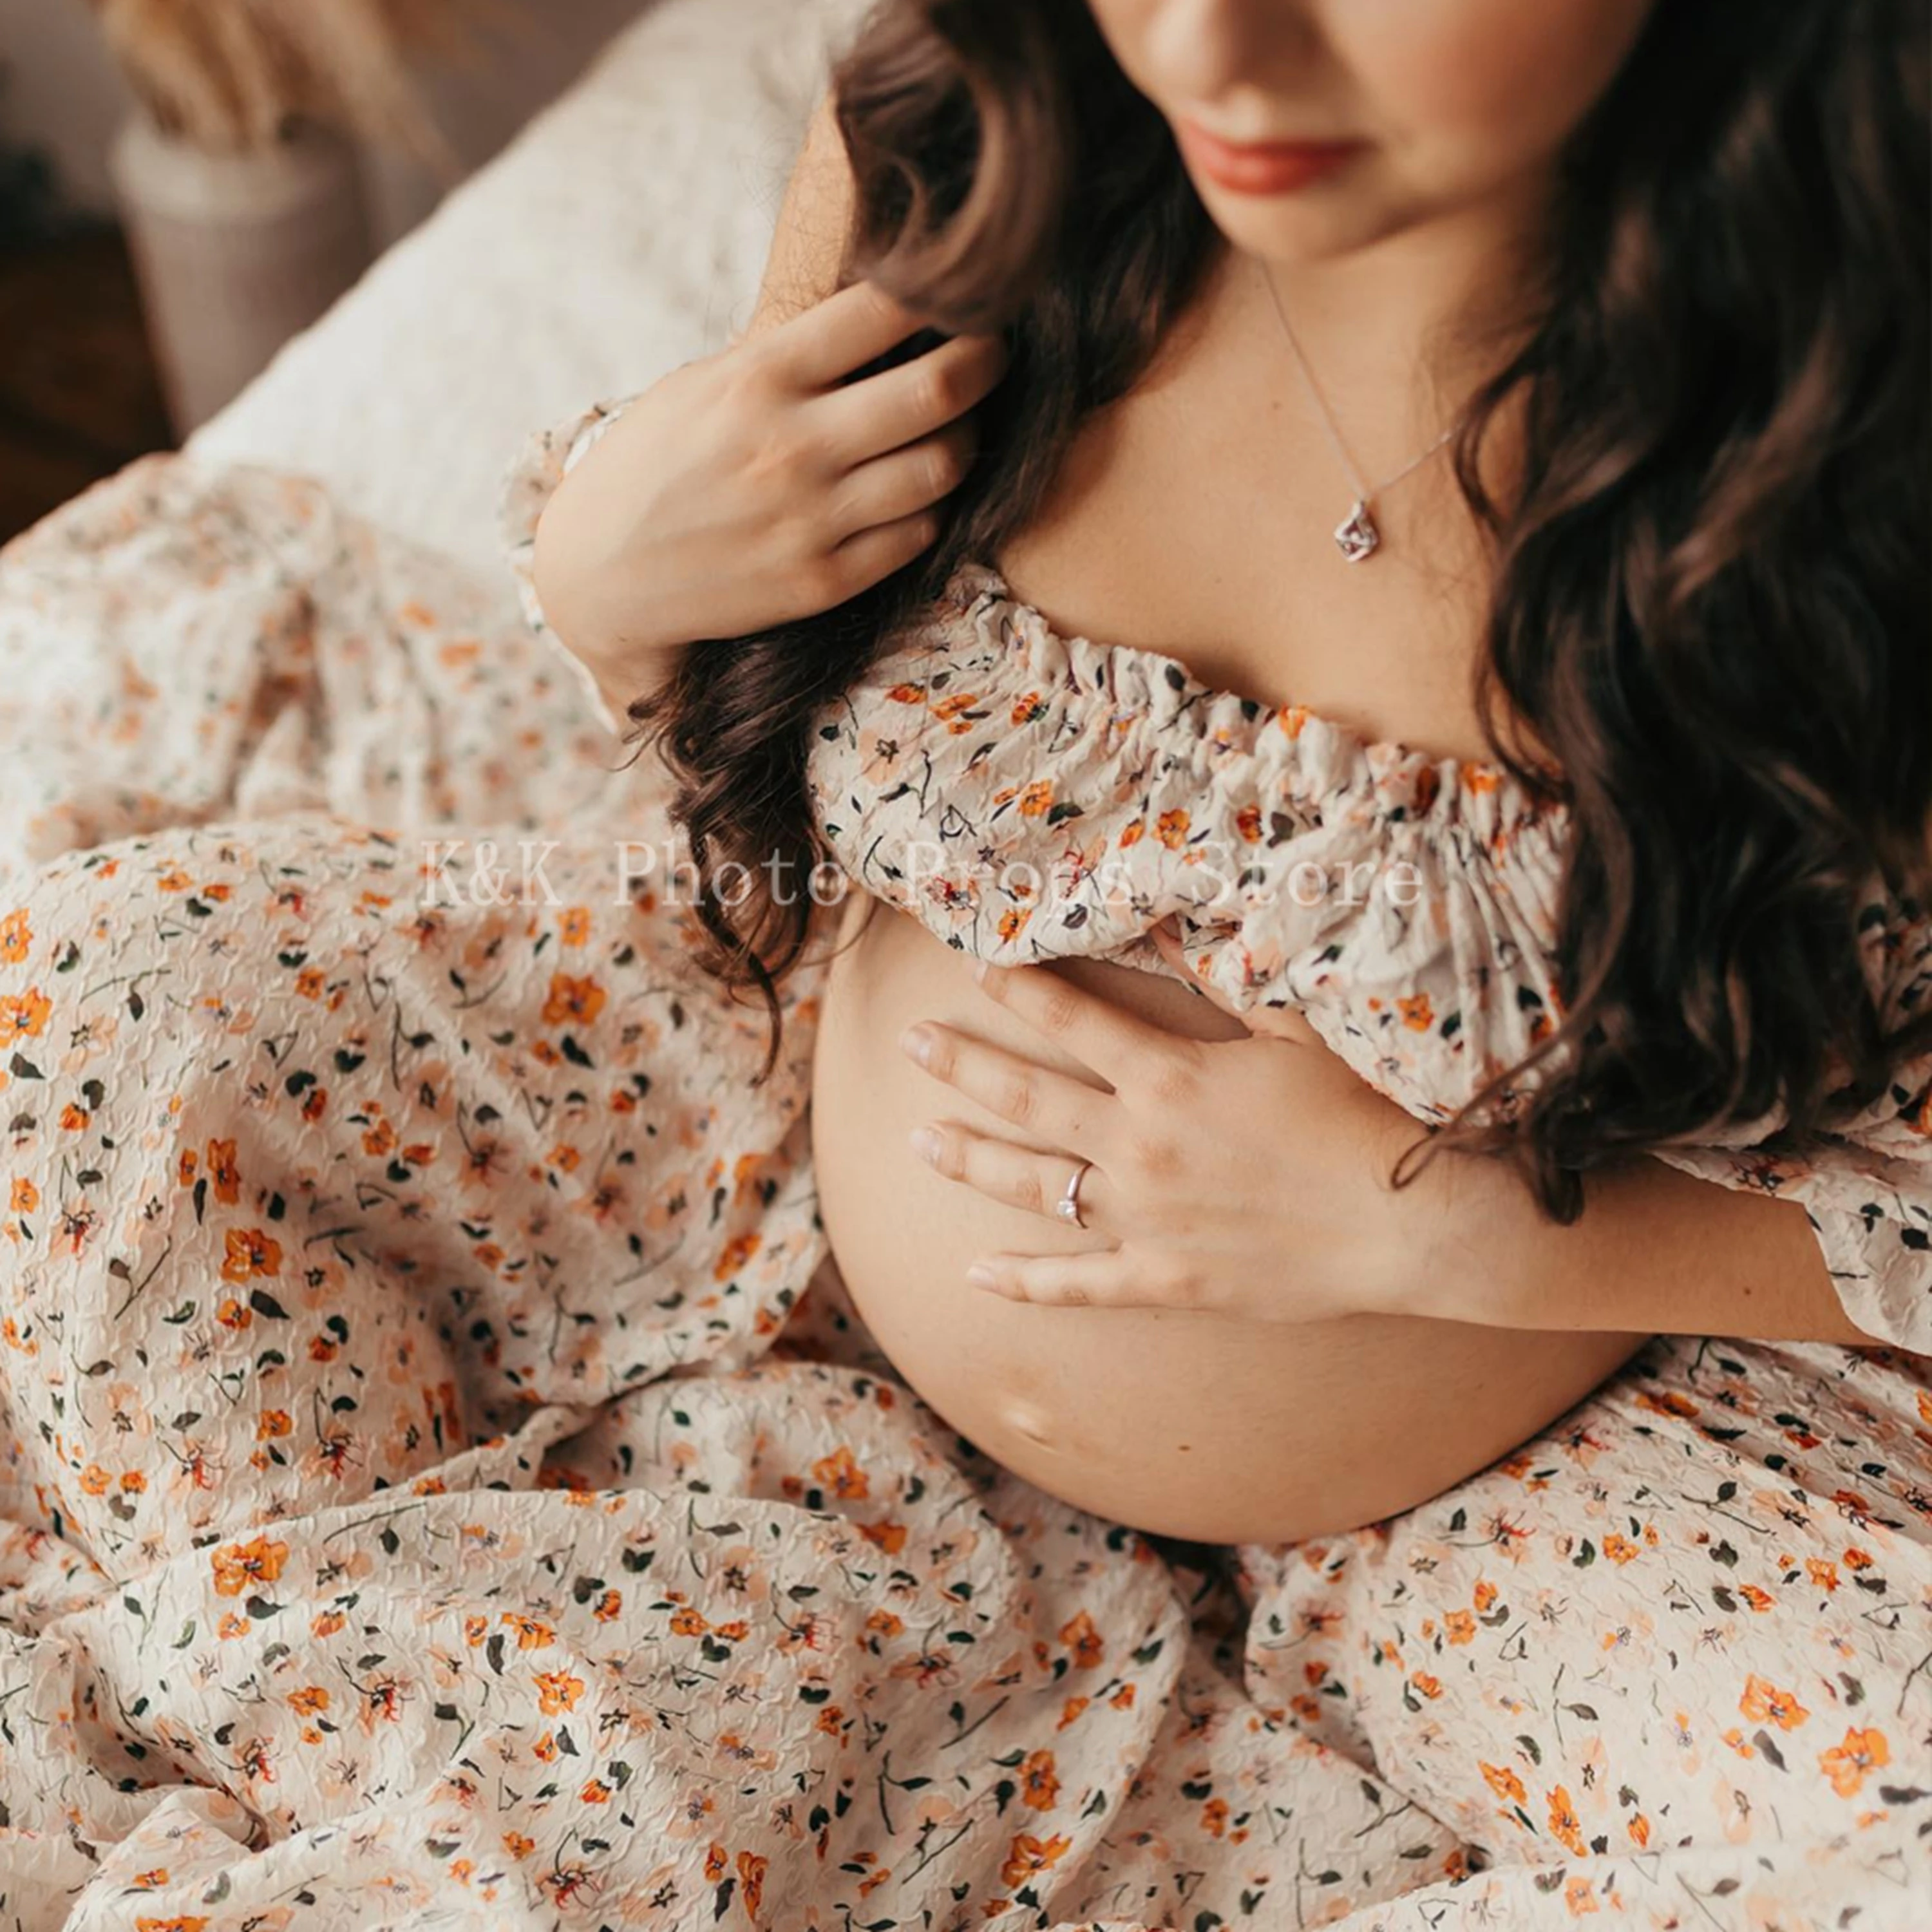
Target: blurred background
185, 184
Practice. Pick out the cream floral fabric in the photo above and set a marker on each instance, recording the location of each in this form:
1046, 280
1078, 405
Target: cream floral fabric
445, 1484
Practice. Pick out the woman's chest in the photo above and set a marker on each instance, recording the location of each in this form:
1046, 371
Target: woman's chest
1196, 516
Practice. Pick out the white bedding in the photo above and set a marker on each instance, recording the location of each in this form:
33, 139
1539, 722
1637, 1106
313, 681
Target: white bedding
624, 232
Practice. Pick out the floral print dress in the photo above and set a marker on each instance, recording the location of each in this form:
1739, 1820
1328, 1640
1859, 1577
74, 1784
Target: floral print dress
445, 1484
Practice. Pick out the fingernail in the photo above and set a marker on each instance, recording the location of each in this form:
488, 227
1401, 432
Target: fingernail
981, 1275
916, 1042
925, 1143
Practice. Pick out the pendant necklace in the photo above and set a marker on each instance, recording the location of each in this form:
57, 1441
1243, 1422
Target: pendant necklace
1356, 536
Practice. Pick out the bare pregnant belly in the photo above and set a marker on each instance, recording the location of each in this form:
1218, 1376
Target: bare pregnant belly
1186, 1424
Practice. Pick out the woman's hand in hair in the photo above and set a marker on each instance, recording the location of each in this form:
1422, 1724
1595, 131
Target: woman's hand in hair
1244, 1177
758, 486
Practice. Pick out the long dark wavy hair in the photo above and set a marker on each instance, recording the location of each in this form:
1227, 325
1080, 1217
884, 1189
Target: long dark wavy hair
1711, 595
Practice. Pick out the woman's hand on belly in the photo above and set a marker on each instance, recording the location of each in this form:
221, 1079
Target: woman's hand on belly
1193, 1424
1201, 1163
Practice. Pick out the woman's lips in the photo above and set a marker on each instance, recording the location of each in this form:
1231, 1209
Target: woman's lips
1273, 167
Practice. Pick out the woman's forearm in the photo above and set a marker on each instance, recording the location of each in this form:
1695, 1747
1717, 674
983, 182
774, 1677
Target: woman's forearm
1656, 1251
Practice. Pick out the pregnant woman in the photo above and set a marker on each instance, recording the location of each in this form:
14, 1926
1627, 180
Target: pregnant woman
1461, 206
1362, 559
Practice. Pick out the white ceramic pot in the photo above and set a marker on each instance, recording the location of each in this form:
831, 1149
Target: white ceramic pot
235, 253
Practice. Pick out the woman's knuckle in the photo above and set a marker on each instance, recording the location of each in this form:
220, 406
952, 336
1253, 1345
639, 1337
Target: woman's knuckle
1151, 1157
1019, 1099
1060, 1008
820, 578
945, 468
780, 468
1028, 1192
1173, 1080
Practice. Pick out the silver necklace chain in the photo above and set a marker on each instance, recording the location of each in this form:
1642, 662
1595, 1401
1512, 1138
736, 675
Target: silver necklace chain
1357, 536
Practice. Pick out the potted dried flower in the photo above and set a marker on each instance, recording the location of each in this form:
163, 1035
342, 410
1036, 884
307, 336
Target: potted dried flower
236, 174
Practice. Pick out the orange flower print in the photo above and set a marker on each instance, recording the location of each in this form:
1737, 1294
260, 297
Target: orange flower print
1040, 1781
1846, 1764
735, 1253
1081, 1636
954, 710
1037, 799
531, 1635
557, 1691
1030, 1856
1459, 1627
222, 1174
752, 1882
571, 1000
1503, 1781
1764, 1703
1171, 828
23, 1015
1418, 1015
251, 1253
1563, 1823
25, 1198
840, 1474
15, 936
241, 1566
1669, 1402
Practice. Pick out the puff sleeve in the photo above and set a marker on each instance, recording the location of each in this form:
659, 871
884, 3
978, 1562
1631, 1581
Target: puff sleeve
1866, 1185
540, 465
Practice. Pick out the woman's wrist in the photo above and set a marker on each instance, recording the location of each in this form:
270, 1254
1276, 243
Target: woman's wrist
1440, 1251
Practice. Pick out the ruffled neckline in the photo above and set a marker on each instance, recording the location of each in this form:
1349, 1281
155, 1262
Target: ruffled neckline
1140, 678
